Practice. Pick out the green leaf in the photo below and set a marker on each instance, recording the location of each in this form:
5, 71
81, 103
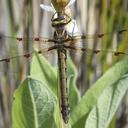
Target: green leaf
99, 104
74, 95
102, 113
33, 106
43, 71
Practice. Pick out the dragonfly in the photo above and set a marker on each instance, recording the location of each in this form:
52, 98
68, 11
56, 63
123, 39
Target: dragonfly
63, 39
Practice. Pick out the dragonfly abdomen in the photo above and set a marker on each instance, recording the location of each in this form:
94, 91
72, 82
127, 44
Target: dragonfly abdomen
63, 84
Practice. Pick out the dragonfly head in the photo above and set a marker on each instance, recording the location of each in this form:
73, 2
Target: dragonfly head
60, 19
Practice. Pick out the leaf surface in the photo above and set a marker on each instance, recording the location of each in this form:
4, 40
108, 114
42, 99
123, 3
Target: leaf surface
101, 101
33, 105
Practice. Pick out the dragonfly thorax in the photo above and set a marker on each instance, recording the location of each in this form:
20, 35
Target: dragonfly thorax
61, 35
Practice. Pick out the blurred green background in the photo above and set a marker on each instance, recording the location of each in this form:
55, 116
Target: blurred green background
25, 18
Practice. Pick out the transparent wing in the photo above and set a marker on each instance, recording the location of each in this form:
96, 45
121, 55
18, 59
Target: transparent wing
20, 57
47, 8
94, 51
71, 2
16, 55
28, 55
96, 36
13, 47
72, 28
21, 39
67, 46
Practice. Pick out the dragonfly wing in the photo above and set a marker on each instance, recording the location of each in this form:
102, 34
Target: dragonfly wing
71, 2
95, 51
42, 40
80, 37
72, 28
28, 54
14, 62
47, 8
16, 46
